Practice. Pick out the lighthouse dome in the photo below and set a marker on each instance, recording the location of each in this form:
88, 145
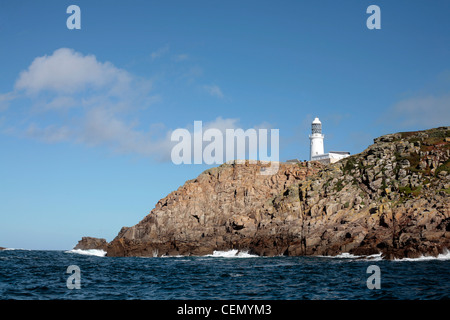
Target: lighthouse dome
316, 121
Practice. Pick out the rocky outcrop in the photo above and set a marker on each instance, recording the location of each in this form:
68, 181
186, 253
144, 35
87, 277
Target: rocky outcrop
224, 207
87, 243
393, 199
1, 248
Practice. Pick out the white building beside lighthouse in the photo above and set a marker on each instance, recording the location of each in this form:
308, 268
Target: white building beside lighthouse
317, 149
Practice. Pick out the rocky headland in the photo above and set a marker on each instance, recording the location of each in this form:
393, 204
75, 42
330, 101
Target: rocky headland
393, 199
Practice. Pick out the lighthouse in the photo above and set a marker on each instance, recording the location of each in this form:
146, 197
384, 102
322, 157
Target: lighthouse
316, 138
316, 151
316, 148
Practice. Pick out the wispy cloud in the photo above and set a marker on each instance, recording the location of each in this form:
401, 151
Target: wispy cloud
75, 98
214, 91
425, 110
48, 134
100, 102
160, 52
180, 57
5, 100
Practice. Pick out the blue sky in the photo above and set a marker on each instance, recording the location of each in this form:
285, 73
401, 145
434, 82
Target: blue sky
85, 115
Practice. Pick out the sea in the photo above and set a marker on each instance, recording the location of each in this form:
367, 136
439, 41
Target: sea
230, 275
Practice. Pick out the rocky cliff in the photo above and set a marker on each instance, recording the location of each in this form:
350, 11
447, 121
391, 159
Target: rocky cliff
393, 199
224, 207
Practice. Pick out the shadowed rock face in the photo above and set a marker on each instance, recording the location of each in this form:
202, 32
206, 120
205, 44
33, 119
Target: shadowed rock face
392, 198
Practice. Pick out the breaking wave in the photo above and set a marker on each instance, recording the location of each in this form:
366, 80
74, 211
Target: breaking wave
221, 276
89, 252
346, 255
443, 256
378, 257
231, 254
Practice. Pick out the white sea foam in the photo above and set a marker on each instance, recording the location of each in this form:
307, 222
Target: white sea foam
234, 275
374, 257
231, 254
177, 256
443, 256
346, 255
378, 257
89, 252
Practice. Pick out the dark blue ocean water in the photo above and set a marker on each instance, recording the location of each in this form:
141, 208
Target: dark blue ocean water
34, 275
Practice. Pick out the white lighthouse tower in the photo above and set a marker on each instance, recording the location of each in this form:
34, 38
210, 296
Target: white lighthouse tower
316, 138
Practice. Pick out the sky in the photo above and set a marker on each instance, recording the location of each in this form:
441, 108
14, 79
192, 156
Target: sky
86, 114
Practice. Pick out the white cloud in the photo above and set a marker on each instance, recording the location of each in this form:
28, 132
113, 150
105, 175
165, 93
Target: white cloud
97, 98
222, 124
214, 90
424, 111
101, 127
67, 71
77, 99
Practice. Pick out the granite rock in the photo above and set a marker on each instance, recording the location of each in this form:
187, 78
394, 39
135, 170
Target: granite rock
392, 198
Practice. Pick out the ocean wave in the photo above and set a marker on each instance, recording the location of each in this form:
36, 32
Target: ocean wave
177, 256
231, 254
442, 256
346, 255
378, 257
374, 257
89, 252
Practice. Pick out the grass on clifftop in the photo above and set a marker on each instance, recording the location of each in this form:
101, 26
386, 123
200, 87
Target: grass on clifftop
444, 167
